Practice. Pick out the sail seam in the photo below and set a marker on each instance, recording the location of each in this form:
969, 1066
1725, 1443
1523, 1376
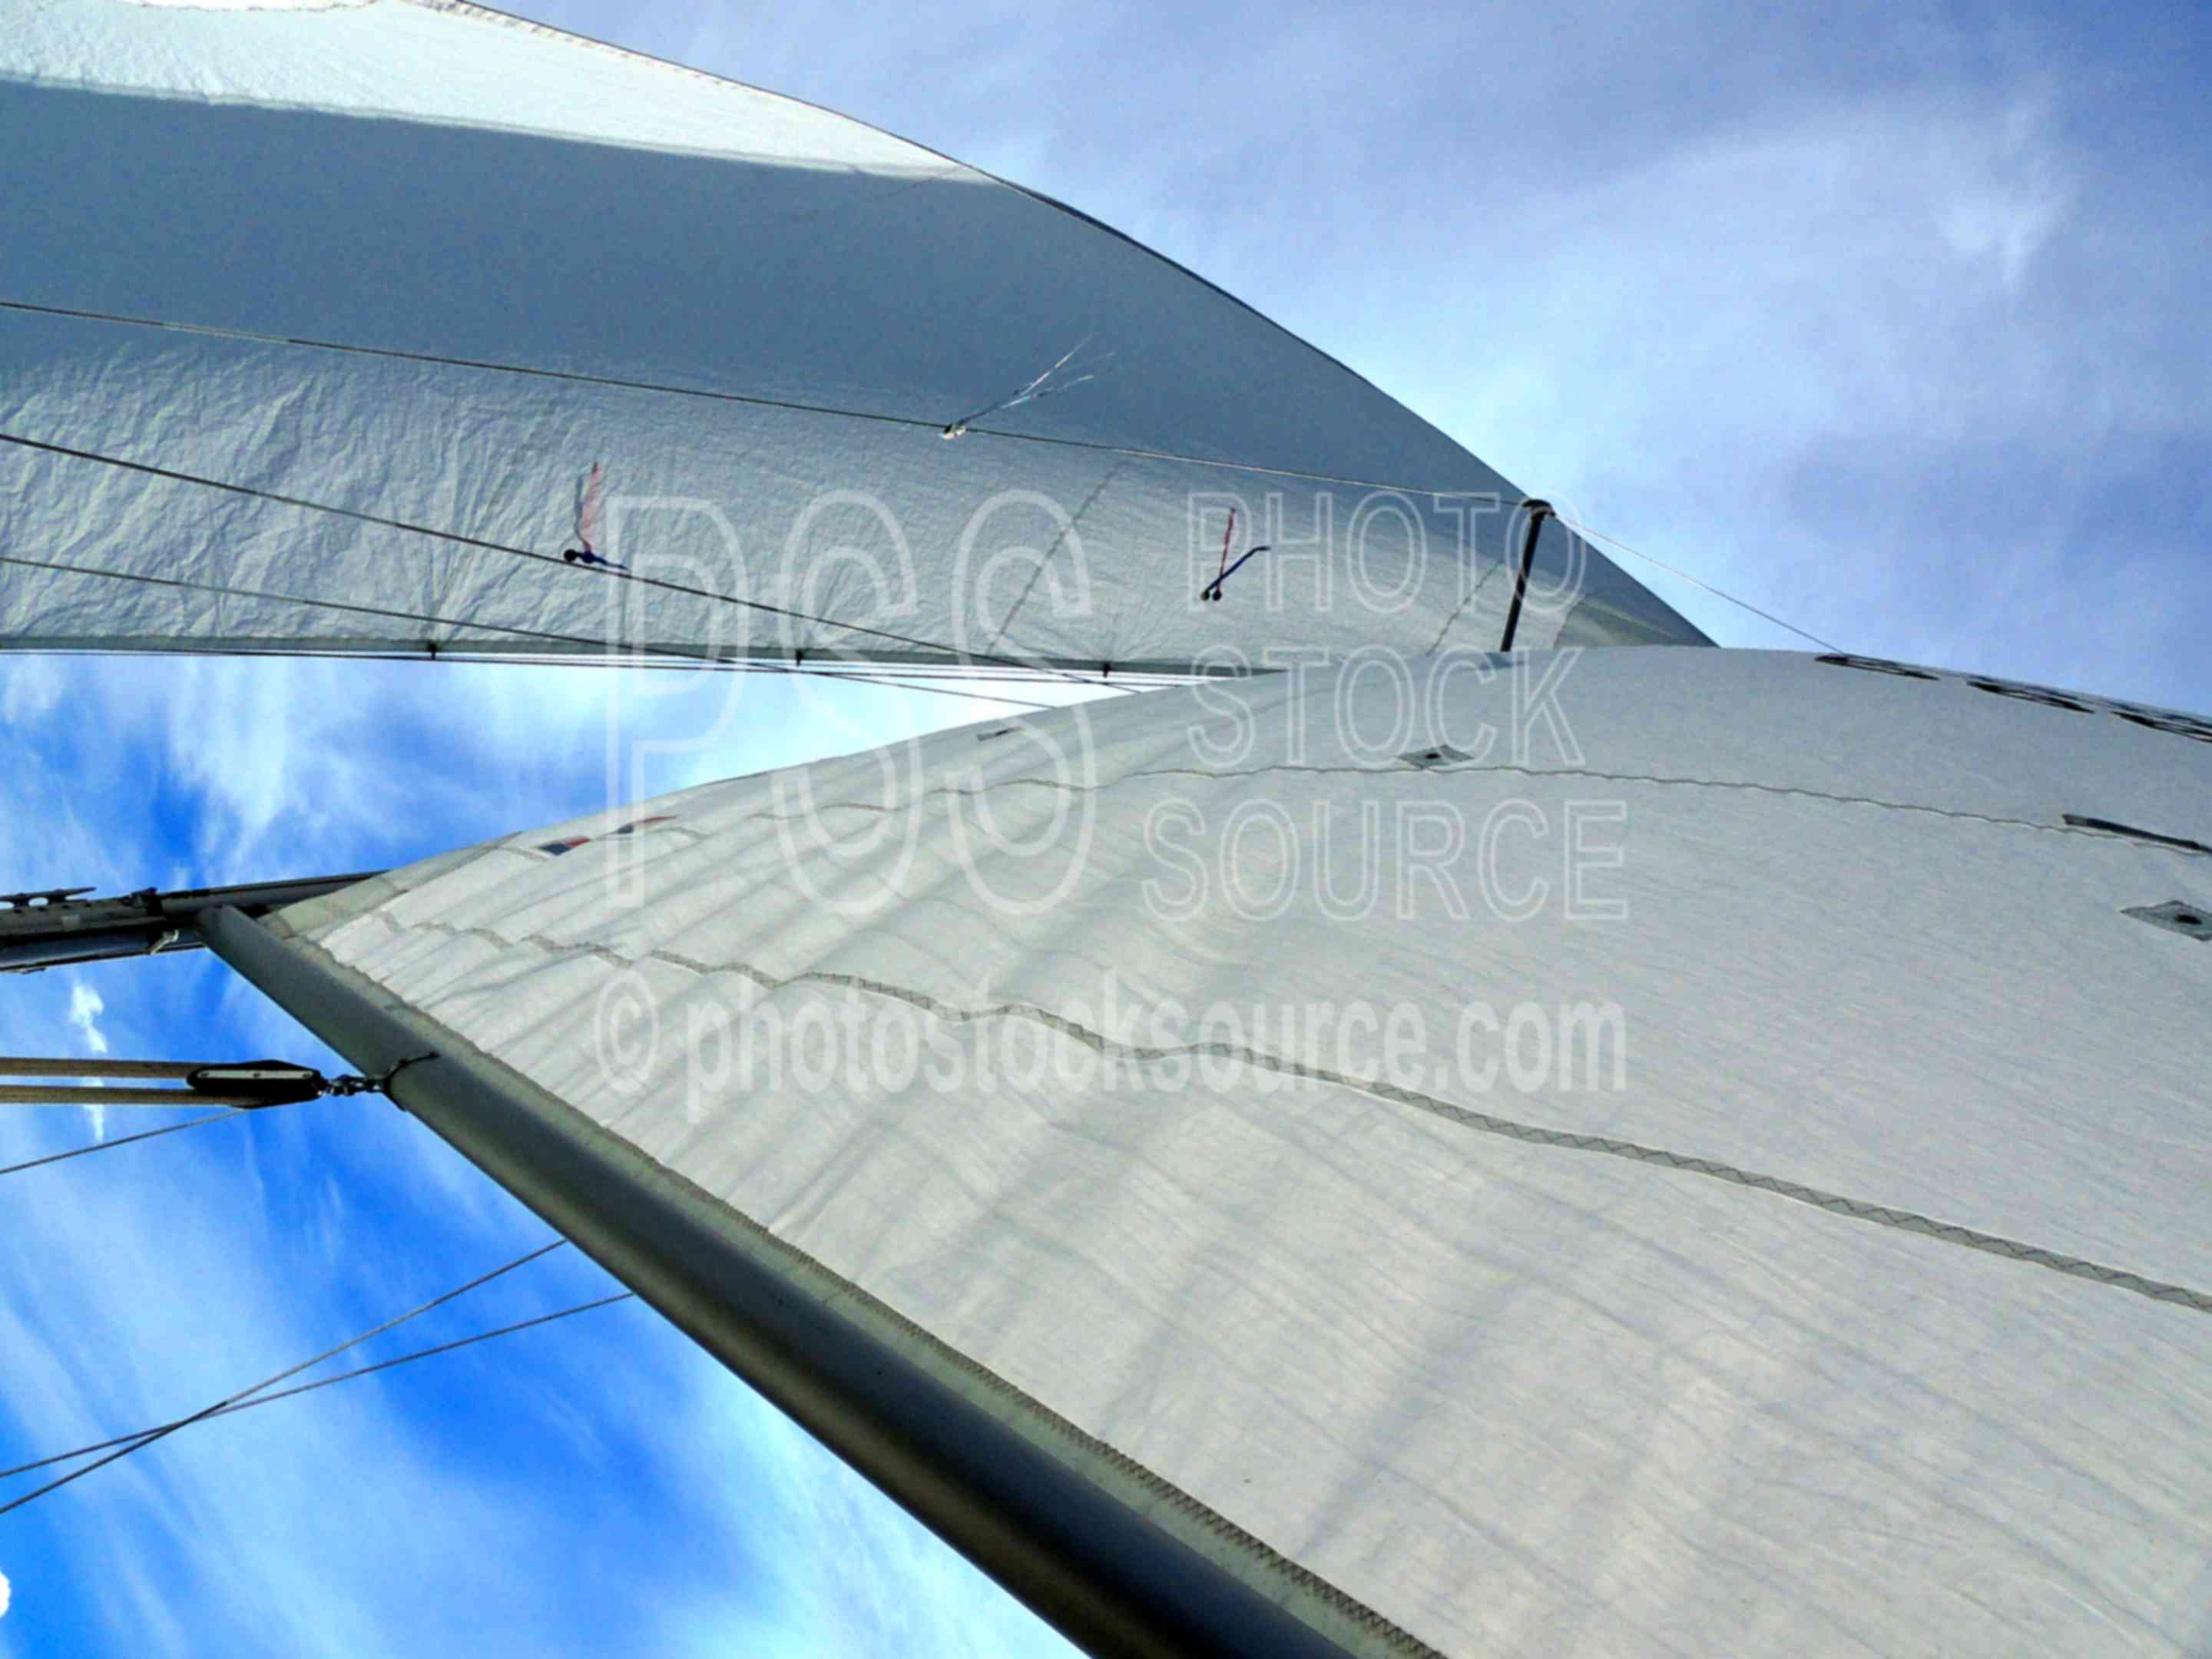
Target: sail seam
1958, 813
1482, 574
882, 417
1398, 770
1036, 574
1026, 1414
1562, 1139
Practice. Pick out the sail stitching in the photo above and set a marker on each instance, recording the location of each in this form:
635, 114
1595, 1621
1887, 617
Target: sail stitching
1058, 541
1133, 451
481, 542
1396, 770
1460, 610
1563, 1139
1372, 1624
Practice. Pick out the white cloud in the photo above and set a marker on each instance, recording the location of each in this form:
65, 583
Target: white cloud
86, 1007
28, 687
2008, 187
155, 1296
6, 1595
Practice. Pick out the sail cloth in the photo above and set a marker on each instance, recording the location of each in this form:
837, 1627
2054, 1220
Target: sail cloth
450, 262
1741, 1193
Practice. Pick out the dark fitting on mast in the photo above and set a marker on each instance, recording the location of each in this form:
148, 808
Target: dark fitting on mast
1538, 511
42, 929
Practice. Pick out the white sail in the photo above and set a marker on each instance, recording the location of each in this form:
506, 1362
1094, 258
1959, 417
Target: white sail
1635, 1153
374, 289
1628, 1153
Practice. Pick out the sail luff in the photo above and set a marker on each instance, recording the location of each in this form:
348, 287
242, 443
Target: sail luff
1118, 1562
1522, 1169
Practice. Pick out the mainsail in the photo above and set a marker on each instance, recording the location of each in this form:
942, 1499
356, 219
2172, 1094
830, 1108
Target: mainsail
1783, 1235
319, 317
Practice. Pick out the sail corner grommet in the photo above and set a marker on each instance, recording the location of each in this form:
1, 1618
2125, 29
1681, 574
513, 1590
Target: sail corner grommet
2176, 916
1429, 759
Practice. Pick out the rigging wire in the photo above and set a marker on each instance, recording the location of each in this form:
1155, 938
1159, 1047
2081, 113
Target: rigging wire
245, 1394
893, 683
1133, 451
892, 675
935, 427
1614, 541
892, 678
124, 1140
676, 657
481, 542
324, 1382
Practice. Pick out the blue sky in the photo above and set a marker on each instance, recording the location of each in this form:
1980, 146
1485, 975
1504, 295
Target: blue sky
1889, 320
594, 1486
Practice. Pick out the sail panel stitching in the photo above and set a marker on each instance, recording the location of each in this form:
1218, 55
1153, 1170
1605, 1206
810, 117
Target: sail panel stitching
1484, 1122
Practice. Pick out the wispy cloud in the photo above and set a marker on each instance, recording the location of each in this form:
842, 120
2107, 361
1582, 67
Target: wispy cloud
1890, 331
86, 1007
155, 1295
29, 686
2009, 193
